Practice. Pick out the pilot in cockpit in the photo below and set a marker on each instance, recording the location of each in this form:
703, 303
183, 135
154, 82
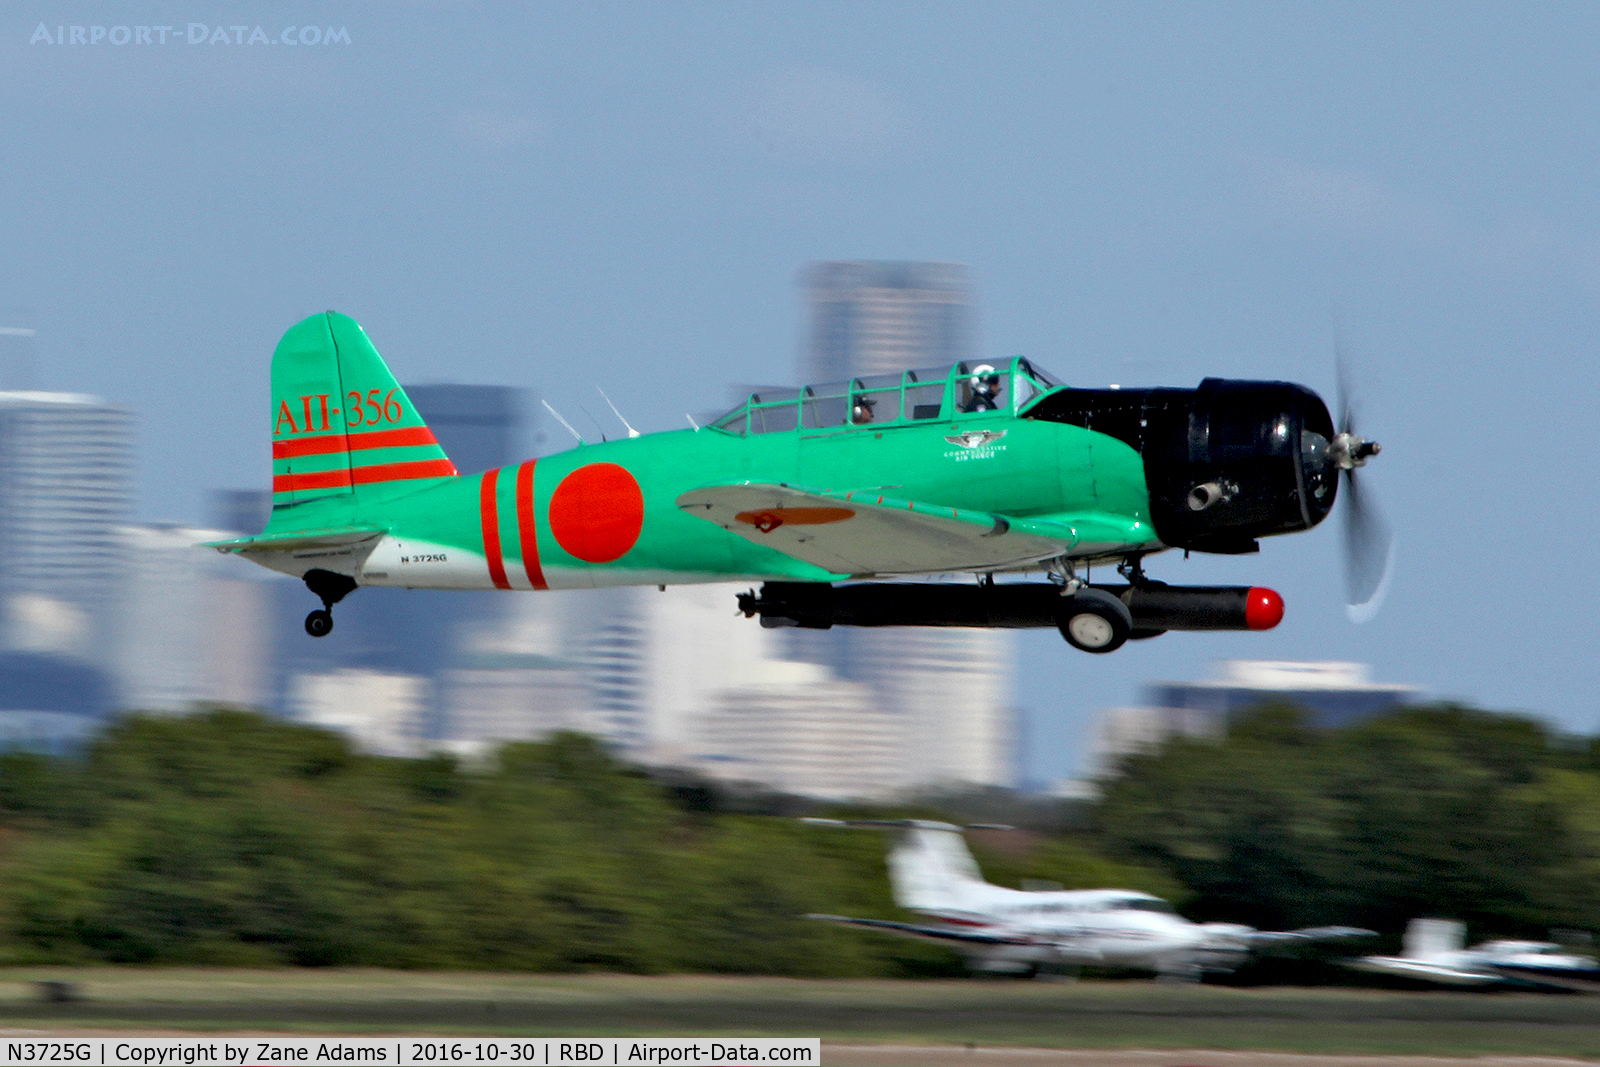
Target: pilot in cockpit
983, 390
861, 409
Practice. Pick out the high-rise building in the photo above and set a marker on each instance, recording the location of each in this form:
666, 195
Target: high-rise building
478, 426
492, 698
877, 318
614, 660
794, 727
1336, 694
66, 489
66, 485
949, 688
50, 703
382, 712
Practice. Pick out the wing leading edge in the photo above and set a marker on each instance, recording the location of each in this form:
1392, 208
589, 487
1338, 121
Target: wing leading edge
925, 933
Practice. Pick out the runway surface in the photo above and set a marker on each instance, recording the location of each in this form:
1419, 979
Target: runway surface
889, 1023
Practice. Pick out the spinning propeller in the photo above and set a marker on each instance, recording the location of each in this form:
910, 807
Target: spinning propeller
1368, 544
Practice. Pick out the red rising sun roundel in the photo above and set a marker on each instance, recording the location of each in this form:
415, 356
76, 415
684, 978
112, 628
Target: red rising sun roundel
596, 512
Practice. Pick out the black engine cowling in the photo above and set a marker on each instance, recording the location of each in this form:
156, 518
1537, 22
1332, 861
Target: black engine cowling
1225, 463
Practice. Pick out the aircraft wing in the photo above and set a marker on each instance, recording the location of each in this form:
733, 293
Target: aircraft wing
1424, 970
926, 933
1265, 938
1581, 980
867, 533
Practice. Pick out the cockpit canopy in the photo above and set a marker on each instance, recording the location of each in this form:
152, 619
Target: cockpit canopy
969, 387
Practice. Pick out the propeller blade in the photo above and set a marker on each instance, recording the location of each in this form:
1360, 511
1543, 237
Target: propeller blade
1368, 551
1346, 389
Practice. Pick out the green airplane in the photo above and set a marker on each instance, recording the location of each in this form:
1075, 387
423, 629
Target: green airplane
969, 471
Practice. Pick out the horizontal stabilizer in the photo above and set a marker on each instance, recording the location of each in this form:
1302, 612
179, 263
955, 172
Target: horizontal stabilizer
1310, 933
327, 537
868, 533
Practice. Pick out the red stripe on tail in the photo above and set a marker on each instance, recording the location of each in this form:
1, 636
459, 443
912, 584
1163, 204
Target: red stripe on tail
288, 483
377, 472
338, 442
397, 472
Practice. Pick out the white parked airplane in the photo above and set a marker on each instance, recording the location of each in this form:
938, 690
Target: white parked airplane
1434, 952
1014, 930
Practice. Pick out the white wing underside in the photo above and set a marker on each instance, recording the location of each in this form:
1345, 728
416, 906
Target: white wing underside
865, 533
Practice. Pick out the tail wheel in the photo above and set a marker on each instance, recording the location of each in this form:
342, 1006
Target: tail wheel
319, 623
1094, 621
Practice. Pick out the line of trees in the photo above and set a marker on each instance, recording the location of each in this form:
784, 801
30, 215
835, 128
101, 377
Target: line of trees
232, 838
1432, 810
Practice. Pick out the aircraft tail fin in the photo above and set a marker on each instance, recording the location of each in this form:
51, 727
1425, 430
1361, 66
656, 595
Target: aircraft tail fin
1433, 937
341, 424
930, 867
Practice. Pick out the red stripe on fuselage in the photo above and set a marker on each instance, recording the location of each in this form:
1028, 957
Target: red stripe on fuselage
527, 535
338, 442
377, 472
491, 530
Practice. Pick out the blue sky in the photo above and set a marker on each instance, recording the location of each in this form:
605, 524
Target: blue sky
565, 196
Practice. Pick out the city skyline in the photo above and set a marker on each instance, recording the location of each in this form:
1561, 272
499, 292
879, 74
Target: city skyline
865, 317
559, 199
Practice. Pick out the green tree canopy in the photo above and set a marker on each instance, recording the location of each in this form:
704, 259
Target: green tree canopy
1432, 810
232, 838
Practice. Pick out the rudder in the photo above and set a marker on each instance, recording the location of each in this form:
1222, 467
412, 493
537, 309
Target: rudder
930, 868
342, 426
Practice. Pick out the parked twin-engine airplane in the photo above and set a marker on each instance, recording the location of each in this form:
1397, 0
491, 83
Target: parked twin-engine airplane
1435, 951
972, 469
1015, 930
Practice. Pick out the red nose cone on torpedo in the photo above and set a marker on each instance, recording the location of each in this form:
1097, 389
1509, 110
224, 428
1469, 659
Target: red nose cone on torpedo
1263, 608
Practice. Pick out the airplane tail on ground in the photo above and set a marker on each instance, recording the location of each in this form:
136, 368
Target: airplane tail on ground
930, 868
1427, 938
341, 425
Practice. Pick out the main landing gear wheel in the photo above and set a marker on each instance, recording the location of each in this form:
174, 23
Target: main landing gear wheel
331, 588
1093, 620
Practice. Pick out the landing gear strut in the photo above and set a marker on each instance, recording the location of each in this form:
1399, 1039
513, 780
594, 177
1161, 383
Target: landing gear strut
1091, 620
1132, 570
331, 588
